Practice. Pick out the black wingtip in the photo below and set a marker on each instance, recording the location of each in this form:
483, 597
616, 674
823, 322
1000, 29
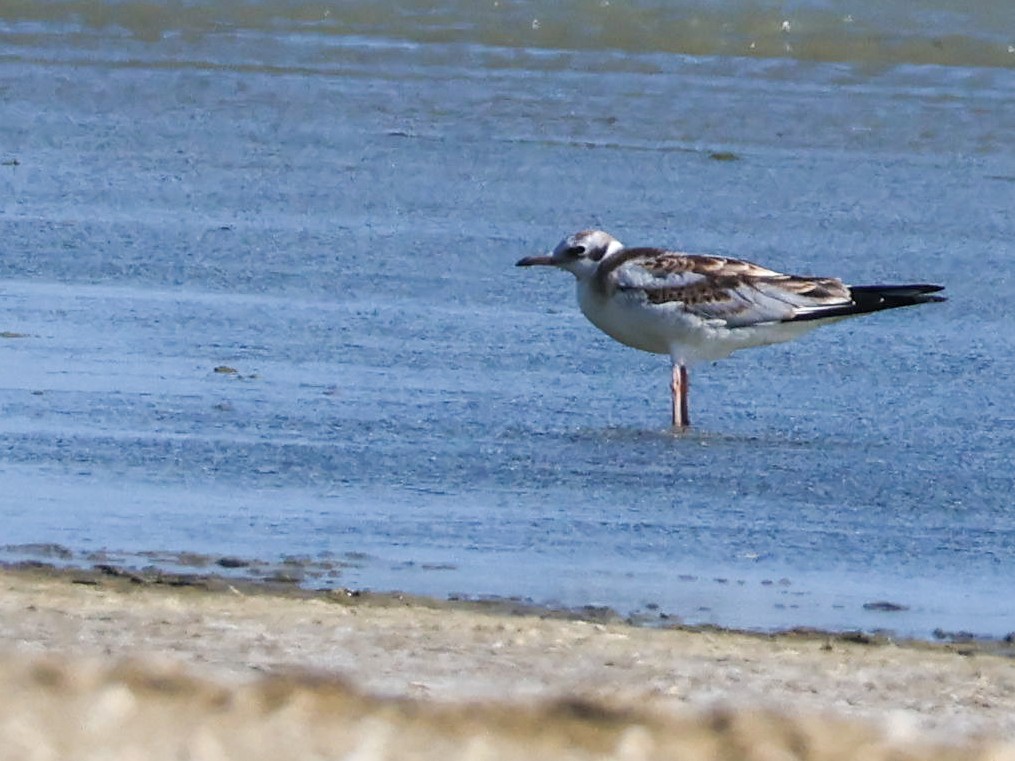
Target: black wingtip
891, 296
874, 298
909, 288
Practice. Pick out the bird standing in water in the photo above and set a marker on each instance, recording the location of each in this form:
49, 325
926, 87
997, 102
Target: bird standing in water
698, 307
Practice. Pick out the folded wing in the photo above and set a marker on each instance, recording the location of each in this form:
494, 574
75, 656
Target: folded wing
734, 292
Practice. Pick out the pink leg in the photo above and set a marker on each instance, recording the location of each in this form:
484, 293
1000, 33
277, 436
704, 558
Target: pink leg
678, 386
684, 386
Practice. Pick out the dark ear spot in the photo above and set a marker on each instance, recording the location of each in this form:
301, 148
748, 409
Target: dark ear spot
597, 253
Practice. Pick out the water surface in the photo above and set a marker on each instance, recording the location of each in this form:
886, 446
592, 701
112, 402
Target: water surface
327, 206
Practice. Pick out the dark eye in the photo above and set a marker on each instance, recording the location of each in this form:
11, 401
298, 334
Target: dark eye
575, 251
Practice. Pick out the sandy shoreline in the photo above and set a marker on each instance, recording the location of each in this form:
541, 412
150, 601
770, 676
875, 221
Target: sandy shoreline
441, 660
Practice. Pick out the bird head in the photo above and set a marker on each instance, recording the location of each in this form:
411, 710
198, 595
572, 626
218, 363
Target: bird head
579, 254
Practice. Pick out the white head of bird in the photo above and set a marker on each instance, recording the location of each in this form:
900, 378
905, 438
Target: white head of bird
579, 254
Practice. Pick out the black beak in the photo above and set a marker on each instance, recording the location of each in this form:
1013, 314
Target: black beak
532, 261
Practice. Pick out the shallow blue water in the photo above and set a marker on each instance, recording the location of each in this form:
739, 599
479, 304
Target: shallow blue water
337, 222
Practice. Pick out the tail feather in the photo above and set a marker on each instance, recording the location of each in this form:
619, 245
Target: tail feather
874, 298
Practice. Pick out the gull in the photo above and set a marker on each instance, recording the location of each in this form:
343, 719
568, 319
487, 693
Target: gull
697, 307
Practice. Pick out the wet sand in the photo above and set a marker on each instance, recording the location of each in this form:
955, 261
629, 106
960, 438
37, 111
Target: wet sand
103, 663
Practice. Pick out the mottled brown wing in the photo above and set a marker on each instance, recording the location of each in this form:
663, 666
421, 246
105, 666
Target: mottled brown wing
735, 292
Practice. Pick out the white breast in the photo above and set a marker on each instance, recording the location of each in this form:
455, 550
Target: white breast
629, 318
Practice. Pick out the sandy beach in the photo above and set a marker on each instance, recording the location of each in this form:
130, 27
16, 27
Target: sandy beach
123, 666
